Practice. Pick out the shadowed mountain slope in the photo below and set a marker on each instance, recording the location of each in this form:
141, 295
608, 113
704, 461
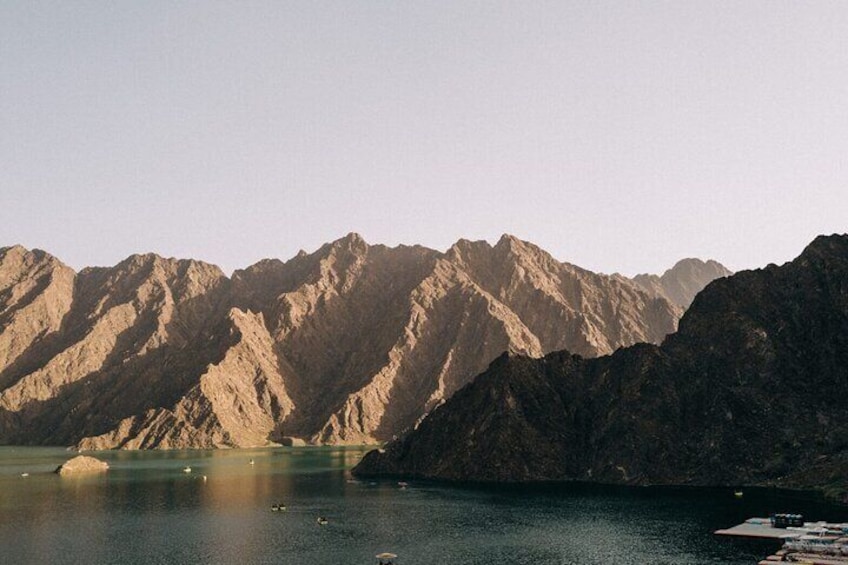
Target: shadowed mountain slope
750, 390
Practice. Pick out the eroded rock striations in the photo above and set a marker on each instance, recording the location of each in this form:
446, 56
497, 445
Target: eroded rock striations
750, 390
350, 344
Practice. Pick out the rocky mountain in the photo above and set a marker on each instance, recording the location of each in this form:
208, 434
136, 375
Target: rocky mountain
750, 390
683, 281
352, 343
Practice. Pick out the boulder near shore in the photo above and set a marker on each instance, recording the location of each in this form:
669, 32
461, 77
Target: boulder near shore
82, 464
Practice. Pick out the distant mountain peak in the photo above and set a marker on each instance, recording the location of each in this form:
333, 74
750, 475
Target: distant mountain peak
20, 251
683, 281
17, 249
509, 239
351, 239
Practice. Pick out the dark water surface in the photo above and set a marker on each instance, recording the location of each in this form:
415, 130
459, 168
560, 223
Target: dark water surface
147, 510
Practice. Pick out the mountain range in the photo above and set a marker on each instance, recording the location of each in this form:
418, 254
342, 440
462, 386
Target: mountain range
353, 343
751, 389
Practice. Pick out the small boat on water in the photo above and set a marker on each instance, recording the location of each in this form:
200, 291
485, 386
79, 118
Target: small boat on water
738, 493
386, 558
25, 475
278, 507
252, 462
323, 521
186, 469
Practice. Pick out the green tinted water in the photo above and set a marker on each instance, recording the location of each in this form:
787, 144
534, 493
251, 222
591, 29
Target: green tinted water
147, 510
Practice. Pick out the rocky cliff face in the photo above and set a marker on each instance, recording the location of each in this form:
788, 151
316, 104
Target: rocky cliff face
132, 337
350, 344
749, 390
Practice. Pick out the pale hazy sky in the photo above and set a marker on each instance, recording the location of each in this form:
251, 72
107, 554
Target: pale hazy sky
620, 136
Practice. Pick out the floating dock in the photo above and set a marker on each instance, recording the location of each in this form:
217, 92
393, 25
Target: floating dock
757, 528
813, 543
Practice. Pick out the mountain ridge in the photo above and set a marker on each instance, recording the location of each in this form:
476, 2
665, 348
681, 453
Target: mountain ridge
352, 343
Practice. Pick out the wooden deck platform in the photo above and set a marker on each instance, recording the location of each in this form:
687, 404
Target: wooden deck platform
757, 529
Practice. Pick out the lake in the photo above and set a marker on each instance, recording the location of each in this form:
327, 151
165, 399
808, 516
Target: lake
147, 510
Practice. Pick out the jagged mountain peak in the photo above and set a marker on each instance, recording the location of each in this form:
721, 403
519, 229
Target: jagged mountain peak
15, 247
22, 255
683, 281
16, 250
694, 269
517, 245
511, 250
695, 263
505, 241
352, 242
145, 277
265, 266
463, 246
511, 244
507, 238
507, 249
173, 264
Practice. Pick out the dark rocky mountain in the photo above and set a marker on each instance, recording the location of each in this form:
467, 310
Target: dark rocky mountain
350, 344
751, 389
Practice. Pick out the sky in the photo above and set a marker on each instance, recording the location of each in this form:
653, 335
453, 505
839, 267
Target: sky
619, 136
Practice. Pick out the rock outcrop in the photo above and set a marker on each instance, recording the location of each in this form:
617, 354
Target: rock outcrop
353, 343
82, 465
750, 390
